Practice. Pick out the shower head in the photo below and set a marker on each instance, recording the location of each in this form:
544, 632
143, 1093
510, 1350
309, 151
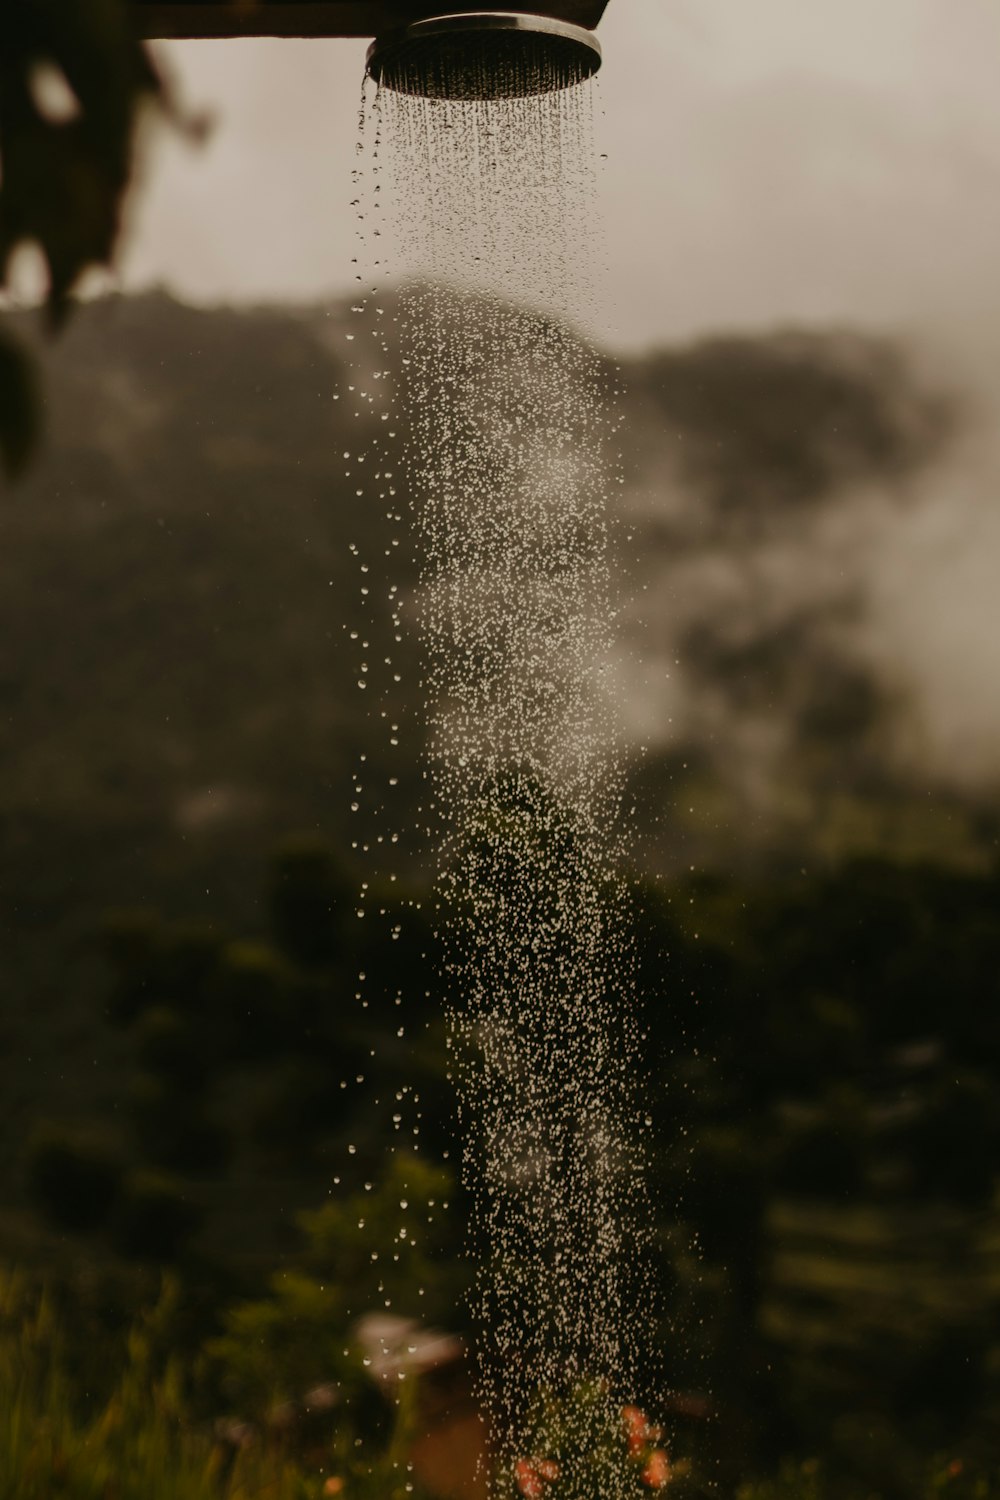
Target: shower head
484, 55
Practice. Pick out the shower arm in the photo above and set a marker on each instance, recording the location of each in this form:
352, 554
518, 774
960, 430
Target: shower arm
326, 18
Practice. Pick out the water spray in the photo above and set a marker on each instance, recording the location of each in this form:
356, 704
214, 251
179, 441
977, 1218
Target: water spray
485, 143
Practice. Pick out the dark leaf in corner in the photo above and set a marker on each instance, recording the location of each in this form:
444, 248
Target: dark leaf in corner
19, 411
73, 77
65, 170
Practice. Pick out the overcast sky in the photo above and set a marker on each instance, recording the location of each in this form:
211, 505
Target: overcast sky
785, 160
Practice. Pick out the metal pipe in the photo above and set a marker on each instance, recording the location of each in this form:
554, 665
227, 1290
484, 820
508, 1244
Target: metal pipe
324, 18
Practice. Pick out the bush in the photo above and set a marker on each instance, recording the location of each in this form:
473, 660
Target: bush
250, 996
188, 960
155, 964
130, 942
173, 1130
309, 898
302, 1107
274, 1349
823, 1158
954, 1140
154, 1217
74, 1184
137, 1437
171, 1048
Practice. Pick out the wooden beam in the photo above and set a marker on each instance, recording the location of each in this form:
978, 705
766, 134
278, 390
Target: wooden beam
326, 18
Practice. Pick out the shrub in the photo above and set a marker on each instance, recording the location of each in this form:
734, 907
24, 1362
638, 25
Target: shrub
170, 1047
154, 1217
139, 1439
73, 1183
822, 1158
273, 1349
309, 898
188, 959
173, 1130
130, 942
954, 1140
302, 1106
250, 995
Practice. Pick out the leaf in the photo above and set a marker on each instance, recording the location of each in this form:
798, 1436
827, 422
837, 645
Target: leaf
64, 180
20, 422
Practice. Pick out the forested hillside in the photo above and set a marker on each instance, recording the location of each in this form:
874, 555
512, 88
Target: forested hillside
187, 1064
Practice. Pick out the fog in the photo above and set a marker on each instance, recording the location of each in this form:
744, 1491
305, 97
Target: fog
764, 164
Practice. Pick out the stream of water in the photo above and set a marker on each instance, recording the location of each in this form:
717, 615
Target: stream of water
507, 437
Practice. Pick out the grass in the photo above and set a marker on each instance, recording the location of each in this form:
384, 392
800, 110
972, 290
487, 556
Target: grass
948, 1479
138, 1436
139, 1440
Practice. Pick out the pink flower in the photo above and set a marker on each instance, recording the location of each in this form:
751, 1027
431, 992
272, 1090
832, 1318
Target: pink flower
528, 1480
637, 1428
640, 1433
533, 1474
657, 1471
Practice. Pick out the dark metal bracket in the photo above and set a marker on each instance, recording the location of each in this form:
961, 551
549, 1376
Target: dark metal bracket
326, 18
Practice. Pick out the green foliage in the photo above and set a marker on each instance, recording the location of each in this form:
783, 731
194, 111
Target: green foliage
173, 1128
948, 1479
297, 1107
141, 1441
793, 1482
74, 1183
275, 1348
380, 1247
130, 941
188, 959
781, 422
406, 1223
154, 1217
170, 1045
136, 1436
960, 1109
824, 1147
250, 996
823, 1181
309, 898
235, 1057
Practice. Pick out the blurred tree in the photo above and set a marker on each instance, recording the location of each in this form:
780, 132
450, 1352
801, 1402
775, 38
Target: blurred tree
174, 1128
250, 998
824, 1147
170, 1046
309, 898
275, 1347
156, 964
154, 1217
955, 1137
73, 1182
130, 942
73, 80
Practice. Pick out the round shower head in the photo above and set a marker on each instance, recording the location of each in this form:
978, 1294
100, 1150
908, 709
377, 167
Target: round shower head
488, 55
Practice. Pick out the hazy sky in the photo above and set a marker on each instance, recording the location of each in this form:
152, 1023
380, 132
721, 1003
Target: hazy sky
785, 160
